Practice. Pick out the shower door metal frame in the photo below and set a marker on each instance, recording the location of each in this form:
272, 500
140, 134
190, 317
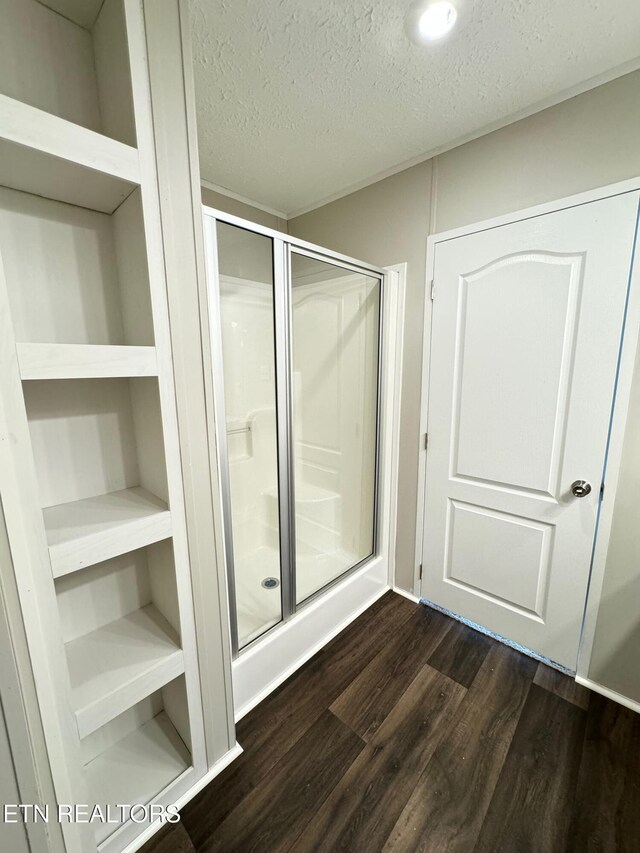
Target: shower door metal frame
284, 429
283, 246
213, 296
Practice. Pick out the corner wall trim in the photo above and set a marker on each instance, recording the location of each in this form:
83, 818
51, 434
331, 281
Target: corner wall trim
537, 107
216, 188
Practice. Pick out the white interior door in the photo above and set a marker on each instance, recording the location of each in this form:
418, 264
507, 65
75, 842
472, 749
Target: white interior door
526, 328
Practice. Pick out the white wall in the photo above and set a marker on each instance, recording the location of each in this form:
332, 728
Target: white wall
588, 141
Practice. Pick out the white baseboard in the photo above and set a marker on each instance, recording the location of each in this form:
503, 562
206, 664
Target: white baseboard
609, 694
270, 661
406, 594
209, 776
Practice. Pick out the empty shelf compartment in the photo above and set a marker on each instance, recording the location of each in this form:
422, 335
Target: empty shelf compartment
137, 768
48, 156
117, 665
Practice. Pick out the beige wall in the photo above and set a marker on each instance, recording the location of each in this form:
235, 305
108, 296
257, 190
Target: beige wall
240, 208
588, 141
615, 659
388, 223
585, 142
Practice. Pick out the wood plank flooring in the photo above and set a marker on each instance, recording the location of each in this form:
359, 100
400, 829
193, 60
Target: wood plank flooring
412, 732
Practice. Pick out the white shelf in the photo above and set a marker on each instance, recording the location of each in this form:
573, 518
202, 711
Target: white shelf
83, 533
43, 154
119, 664
137, 768
84, 361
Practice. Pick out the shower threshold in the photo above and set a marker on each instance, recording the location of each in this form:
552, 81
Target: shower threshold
267, 662
259, 607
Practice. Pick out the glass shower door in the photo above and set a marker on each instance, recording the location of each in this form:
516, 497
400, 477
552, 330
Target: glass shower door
296, 350
245, 279
335, 340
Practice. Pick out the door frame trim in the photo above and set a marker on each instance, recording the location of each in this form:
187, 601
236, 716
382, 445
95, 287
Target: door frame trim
621, 402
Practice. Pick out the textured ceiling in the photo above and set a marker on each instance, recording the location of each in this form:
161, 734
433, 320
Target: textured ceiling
301, 99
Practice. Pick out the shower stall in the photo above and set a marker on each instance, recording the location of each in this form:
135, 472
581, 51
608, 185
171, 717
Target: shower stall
297, 342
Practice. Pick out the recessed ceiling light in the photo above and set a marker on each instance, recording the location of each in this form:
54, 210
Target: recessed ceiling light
430, 21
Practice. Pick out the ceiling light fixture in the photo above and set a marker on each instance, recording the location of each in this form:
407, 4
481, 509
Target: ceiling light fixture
427, 22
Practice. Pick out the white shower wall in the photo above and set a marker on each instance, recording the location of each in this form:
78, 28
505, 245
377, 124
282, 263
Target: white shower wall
247, 330
247, 333
335, 341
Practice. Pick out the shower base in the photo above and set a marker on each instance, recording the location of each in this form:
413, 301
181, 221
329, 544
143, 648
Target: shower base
265, 664
258, 608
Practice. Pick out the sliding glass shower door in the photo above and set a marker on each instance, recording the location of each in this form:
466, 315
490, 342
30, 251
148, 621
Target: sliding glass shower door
296, 350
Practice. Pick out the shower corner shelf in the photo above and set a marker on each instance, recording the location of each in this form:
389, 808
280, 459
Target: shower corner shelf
84, 361
105, 682
46, 155
89, 531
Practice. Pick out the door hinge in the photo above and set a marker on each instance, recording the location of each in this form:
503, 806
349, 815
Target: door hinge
426, 440
420, 571
433, 289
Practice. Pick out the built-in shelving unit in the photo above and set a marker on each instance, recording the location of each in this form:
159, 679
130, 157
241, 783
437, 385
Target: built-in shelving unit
87, 416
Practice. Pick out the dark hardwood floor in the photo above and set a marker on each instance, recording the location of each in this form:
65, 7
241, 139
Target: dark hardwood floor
409, 732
